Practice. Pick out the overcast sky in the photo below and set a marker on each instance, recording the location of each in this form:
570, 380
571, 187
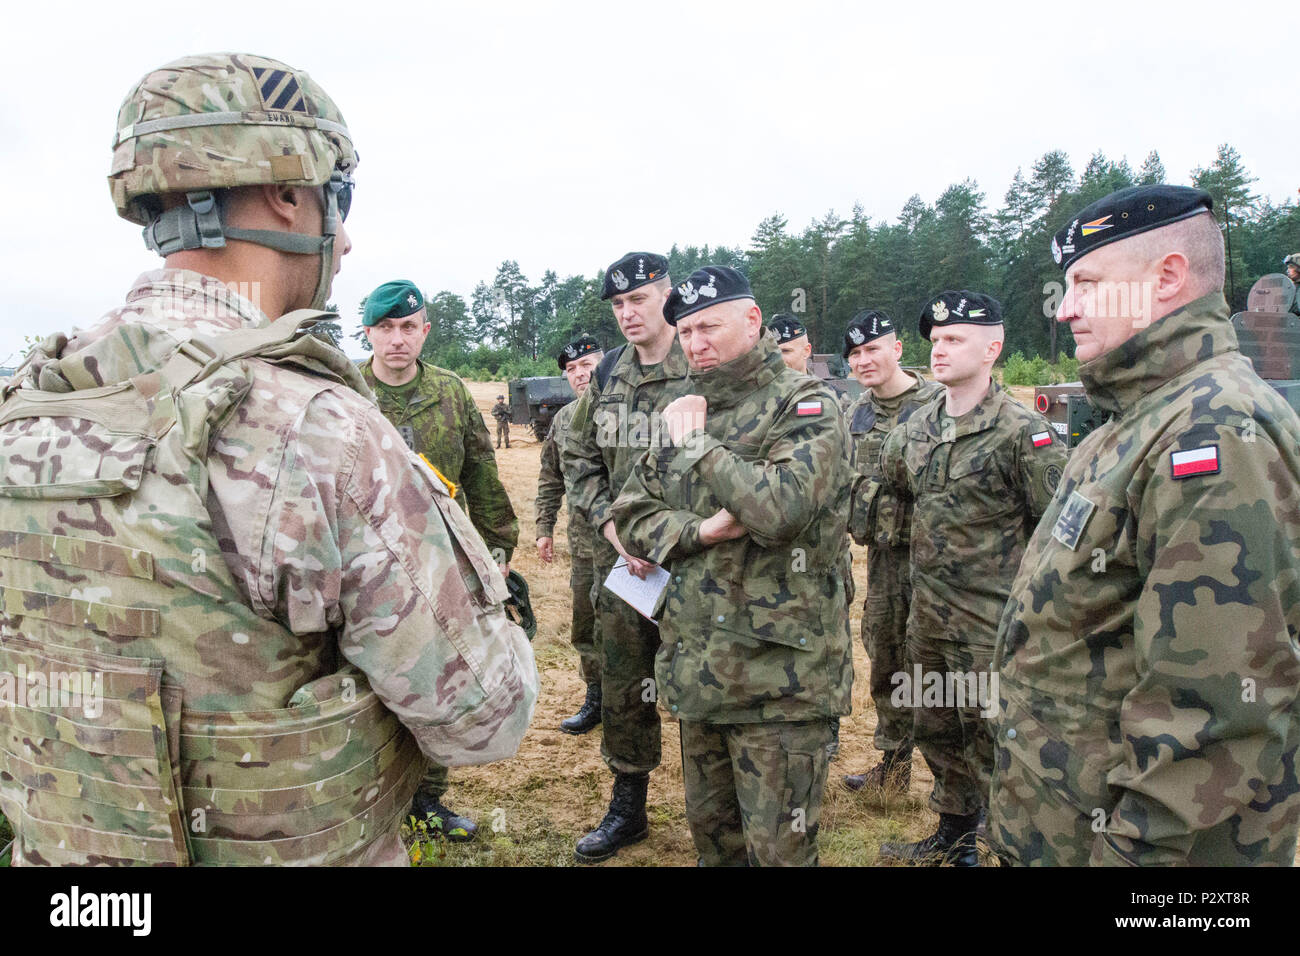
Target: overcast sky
565, 135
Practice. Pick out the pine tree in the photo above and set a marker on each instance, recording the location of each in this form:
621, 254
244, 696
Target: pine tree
1152, 172
1228, 182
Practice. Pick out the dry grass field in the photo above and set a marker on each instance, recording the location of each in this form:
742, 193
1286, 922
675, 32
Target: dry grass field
557, 787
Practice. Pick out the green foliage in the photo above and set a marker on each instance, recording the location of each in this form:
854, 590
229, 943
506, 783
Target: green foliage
6, 838
425, 843
1019, 370
834, 266
916, 350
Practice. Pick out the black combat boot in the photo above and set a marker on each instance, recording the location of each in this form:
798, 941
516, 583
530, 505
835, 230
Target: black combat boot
893, 773
588, 715
455, 828
953, 844
624, 824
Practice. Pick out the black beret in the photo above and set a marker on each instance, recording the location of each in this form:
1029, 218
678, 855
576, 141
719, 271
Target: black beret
865, 326
1126, 213
706, 287
962, 307
786, 327
634, 269
582, 345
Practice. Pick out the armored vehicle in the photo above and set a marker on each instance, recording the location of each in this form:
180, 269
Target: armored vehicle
534, 401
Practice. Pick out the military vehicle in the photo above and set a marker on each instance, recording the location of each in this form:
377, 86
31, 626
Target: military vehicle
1268, 333
834, 371
1068, 410
534, 401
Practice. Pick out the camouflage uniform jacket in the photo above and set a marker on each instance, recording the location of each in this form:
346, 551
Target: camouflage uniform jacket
331, 530
501, 412
551, 487
610, 429
1149, 667
754, 629
441, 422
870, 420
976, 493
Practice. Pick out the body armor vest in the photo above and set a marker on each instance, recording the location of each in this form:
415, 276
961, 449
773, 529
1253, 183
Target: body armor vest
125, 736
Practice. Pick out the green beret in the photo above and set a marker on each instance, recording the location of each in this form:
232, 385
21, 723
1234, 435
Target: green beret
392, 300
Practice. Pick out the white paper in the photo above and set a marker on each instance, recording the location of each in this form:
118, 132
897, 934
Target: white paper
642, 595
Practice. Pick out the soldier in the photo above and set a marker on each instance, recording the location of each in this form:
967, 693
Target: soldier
792, 338
1147, 655
611, 426
979, 469
437, 419
303, 611
1292, 266
577, 361
501, 412
747, 509
873, 351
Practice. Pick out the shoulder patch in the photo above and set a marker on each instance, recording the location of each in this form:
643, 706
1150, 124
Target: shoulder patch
1041, 439
1195, 461
808, 408
1073, 519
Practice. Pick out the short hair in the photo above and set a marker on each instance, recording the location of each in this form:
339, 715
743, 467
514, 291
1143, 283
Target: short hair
1198, 238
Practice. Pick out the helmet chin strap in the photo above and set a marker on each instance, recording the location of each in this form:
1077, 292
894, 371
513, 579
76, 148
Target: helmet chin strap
198, 225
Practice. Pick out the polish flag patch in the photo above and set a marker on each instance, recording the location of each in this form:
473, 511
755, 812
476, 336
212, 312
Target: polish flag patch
1041, 439
808, 408
1197, 461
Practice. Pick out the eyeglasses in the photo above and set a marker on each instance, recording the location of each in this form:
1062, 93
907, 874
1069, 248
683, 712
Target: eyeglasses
341, 185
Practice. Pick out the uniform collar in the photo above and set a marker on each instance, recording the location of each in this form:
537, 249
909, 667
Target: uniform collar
182, 285
164, 307
894, 401
673, 366
980, 418
1161, 352
734, 381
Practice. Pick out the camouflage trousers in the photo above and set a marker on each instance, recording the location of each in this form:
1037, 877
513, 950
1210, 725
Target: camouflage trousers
884, 635
435, 781
582, 628
754, 791
503, 432
631, 738
952, 734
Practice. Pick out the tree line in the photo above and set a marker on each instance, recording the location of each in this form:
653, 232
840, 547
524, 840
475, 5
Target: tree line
837, 265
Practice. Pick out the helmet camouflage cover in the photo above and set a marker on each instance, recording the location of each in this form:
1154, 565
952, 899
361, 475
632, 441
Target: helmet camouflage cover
223, 120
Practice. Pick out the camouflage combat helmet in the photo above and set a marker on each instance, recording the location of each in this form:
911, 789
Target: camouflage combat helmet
1292, 260
206, 123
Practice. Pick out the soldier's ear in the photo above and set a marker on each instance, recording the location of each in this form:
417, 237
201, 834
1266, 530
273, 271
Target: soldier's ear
1172, 274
